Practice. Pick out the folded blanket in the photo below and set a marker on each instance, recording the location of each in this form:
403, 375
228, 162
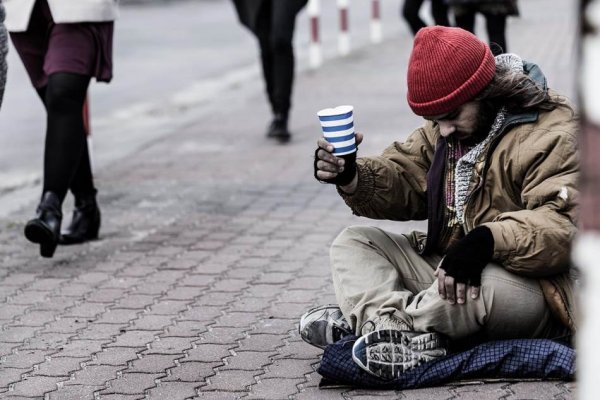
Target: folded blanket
503, 359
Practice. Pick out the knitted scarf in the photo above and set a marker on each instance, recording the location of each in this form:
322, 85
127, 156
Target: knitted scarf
466, 164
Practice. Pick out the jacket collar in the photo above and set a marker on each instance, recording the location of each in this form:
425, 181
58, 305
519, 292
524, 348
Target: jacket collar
536, 74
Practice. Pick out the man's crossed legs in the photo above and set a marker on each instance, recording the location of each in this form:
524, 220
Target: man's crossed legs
388, 295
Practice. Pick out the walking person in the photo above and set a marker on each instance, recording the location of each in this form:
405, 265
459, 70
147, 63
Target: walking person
272, 22
410, 12
62, 46
494, 170
496, 13
3, 52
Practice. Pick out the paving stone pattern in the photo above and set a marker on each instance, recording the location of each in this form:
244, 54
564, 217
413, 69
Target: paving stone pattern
214, 242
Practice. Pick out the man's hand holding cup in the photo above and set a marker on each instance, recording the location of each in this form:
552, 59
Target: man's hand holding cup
335, 157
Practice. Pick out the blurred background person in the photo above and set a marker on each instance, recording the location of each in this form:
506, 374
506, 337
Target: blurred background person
496, 12
272, 22
62, 46
410, 12
3, 52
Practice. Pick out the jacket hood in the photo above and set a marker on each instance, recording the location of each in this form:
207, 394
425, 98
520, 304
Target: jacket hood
535, 73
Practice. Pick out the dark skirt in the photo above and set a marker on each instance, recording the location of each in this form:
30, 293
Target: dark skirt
80, 48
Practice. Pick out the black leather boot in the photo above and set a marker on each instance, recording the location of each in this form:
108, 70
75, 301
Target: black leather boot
279, 128
85, 223
45, 228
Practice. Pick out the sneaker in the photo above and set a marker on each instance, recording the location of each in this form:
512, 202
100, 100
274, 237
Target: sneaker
323, 325
388, 353
384, 322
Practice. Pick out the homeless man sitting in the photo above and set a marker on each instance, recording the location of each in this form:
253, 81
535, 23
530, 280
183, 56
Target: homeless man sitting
494, 170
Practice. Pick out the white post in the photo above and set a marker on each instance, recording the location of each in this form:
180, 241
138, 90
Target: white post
586, 255
376, 31
344, 34
586, 252
315, 58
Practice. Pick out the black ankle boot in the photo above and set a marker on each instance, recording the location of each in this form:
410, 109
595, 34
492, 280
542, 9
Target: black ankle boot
279, 128
85, 223
45, 228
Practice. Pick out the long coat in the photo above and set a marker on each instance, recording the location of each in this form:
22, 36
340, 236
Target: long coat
18, 12
248, 10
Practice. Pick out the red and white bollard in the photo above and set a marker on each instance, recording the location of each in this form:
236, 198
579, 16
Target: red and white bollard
344, 35
376, 31
315, 57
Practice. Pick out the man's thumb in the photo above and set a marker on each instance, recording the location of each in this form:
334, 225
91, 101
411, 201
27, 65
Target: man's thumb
359, 138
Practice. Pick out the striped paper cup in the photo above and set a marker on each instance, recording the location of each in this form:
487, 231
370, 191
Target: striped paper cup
337, 125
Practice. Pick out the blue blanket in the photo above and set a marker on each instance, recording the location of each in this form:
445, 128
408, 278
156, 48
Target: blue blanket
504, 359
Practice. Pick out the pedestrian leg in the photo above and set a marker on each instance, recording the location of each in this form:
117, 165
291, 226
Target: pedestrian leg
496, 30
464, 17
410, 12
439, 11
65, 136
283, 20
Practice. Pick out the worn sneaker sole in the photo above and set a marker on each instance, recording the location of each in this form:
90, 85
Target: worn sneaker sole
388, 353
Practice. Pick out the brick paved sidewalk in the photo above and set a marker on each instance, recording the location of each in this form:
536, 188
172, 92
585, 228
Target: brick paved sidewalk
214, 242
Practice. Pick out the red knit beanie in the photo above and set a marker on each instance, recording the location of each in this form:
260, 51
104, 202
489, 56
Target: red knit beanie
447, 68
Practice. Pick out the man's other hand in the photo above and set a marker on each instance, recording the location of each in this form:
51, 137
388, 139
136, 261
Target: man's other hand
452, 291
463, 264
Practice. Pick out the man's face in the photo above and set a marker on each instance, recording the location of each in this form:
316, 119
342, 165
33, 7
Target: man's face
469, 121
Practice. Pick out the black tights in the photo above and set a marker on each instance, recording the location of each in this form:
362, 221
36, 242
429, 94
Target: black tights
494, 24
410, 12
66, 158
275, 30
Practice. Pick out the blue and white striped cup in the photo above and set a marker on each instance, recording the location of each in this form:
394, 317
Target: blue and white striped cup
337, 125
